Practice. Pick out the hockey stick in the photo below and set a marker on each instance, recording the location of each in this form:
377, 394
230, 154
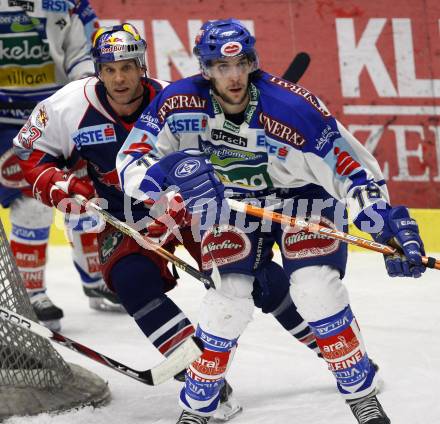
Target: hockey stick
209, 281
180, 359
269, 215
297, 67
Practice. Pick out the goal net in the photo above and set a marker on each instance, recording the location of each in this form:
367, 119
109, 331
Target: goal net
34, 378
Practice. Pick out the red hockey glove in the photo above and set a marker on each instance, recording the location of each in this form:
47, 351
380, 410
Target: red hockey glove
53, 185
168, 215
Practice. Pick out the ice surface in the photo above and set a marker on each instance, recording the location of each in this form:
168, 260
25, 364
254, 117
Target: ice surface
276, 379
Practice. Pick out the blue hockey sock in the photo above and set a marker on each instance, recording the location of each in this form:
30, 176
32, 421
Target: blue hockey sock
206, 376
341, 344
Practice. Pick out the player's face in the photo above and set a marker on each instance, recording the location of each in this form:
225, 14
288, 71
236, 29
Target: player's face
122, 80
230, 78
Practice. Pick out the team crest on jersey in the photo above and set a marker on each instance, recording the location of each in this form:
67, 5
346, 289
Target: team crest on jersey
109, 244
299, 244
96, 134
224, 244
42, 117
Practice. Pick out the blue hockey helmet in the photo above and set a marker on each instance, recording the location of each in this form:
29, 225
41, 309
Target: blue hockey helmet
119, 42
222, 39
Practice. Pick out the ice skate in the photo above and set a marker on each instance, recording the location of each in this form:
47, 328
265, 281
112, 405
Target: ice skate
368, 410
190, 418
101, 298
228, 406
47, 313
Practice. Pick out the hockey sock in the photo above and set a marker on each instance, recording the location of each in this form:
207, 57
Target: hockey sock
206, 376
165, 325
139, 285
29, 247
85, 249
340, 341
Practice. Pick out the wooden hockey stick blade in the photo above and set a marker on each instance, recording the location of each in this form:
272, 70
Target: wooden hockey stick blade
145, 242
297, 67
180, 359
269, 215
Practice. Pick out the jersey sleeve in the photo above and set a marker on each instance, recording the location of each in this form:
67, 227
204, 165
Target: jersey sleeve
39, 143
150, 139
78, 40
337, 161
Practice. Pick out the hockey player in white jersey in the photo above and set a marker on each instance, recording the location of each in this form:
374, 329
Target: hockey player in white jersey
45, 44
238, 128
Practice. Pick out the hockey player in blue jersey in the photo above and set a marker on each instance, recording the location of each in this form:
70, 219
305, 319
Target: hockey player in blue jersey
238, 130
89, 119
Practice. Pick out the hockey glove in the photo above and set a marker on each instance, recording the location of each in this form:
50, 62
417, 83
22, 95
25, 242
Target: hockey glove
191, 174
52, 186
168, 215
402, 231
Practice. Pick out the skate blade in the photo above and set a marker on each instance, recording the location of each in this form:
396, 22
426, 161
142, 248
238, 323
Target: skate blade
380, 385
100, 304
53, 325
227, 411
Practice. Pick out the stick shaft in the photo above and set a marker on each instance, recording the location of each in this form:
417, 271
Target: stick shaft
184, 355
145, 242
297, 67
319, 229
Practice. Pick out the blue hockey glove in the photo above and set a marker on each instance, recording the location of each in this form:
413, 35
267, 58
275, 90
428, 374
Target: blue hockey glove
401, 230
192, 174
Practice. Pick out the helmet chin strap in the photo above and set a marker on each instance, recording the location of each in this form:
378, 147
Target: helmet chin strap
129, 102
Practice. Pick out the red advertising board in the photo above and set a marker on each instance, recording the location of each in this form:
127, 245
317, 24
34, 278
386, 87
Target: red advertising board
376, 64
